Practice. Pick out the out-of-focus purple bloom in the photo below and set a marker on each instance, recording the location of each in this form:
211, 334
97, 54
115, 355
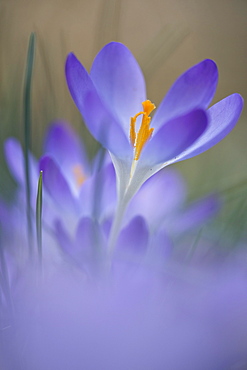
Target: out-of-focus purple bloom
110, 99
94, 205
162, 202
179, 317
73, 192
143, 309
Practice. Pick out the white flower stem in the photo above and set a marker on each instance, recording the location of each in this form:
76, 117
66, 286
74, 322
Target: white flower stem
125, 193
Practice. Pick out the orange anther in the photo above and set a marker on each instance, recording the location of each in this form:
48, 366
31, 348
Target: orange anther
138, 140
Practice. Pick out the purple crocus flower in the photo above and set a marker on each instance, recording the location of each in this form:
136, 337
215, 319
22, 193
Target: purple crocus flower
112, 98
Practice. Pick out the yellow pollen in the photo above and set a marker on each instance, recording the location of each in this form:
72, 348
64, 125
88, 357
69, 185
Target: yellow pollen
79, 175
138, 140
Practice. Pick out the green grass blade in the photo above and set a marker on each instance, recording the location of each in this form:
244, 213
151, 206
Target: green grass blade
39, 214
27, 129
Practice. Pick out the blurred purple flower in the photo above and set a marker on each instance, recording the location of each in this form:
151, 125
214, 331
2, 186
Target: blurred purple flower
75, 192
181, 317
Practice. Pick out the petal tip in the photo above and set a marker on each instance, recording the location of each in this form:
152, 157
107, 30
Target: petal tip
114, 44
210, 62
207, 67
71, 62
240, 99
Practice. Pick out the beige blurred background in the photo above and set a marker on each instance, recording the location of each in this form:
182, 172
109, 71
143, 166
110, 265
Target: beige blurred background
166, 37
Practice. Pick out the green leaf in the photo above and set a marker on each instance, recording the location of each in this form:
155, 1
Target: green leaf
27, 129
39, 214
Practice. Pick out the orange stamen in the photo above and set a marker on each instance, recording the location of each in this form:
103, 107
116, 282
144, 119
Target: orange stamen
79, 175
138, 140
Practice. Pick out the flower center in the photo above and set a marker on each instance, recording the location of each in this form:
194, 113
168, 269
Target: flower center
79, 175
138, 140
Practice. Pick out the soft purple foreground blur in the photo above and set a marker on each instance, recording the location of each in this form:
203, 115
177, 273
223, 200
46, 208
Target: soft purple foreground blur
181, 317
156, 306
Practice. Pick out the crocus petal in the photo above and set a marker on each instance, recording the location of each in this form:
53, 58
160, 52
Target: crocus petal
134, 237
159, 197
165, 146
7, 218
63, 238
119, 81
15, 160
98, 194
161, 247
100, 122
174, 137
222, 118
64, 146
131, 248
85, 233
195, 215
89, 237
193, 89
56, 185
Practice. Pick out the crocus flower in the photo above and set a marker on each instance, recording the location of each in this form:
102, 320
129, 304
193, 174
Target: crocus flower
112, 97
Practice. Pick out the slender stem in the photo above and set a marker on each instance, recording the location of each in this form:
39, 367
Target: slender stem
27, 131
125, 193
121, 207
39, 216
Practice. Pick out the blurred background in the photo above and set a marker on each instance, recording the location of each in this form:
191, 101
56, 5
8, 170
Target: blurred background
166, 37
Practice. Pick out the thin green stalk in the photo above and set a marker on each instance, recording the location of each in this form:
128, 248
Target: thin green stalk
39, 215
27, 131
